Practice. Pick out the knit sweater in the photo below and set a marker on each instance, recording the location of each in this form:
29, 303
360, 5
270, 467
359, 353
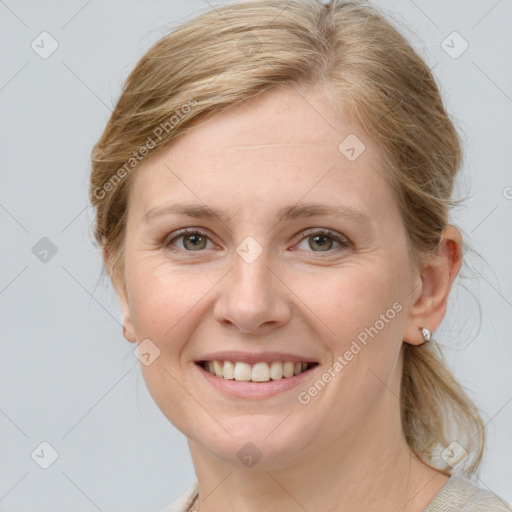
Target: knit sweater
457, 495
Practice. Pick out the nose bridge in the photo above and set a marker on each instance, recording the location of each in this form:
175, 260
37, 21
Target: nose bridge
252, 276
252, 295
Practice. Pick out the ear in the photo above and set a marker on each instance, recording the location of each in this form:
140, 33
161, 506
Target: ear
120, 289
433, 286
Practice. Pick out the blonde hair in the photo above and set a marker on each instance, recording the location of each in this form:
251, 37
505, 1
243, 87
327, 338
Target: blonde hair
233, 53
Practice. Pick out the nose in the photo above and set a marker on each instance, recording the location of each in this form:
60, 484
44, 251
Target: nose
253, 297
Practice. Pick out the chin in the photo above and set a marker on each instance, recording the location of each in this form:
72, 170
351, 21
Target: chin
256, 443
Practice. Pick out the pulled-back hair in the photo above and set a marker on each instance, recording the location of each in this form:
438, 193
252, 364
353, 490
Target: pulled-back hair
231, 54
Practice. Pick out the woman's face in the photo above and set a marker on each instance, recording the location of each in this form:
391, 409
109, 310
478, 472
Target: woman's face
269, 282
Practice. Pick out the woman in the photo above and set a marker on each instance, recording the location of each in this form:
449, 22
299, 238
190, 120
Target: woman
272, 195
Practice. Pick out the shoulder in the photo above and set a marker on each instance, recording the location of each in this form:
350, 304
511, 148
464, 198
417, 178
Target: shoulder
183, 503
462, 495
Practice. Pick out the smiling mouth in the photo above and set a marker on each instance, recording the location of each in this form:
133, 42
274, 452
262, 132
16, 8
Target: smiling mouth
258, 372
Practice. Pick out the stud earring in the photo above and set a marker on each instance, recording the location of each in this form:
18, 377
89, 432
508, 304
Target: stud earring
427, 335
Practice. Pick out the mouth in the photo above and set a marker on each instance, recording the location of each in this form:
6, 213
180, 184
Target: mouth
258, 372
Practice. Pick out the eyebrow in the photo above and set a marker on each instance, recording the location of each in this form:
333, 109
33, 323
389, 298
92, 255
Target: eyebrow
291, 212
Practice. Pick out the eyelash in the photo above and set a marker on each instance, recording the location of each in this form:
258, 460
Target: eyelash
343, 241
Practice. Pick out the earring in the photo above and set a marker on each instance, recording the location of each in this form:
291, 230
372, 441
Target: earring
427, 335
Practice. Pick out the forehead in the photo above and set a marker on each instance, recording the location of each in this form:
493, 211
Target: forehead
284, 146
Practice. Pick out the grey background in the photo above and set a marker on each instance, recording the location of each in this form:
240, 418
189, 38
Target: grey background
67, 375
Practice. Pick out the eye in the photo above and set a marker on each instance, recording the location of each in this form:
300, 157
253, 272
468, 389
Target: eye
193, 240
323, 240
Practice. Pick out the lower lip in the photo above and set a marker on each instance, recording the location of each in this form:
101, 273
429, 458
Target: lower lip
248, 389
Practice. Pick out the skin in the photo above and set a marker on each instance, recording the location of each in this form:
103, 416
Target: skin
344, 450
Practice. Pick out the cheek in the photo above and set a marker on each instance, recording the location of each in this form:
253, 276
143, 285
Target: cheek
353, 297
363, 308
164, 305
161, 301
165, 300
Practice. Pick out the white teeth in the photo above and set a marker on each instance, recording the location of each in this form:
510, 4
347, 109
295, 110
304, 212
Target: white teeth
276, 370
259, 372
242, 371
288, 369
217, 368
229, 370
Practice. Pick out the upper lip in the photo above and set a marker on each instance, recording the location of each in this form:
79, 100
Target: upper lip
255, 357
